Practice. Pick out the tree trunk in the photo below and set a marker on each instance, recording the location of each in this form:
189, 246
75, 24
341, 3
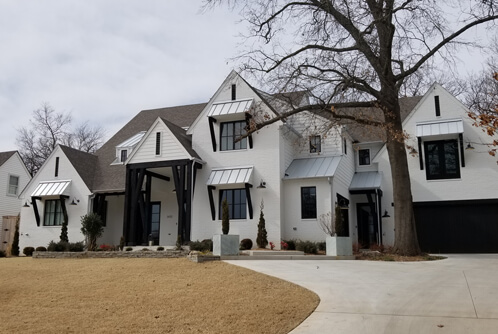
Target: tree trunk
406, 241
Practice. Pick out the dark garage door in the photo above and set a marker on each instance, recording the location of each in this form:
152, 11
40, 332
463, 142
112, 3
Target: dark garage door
457, 226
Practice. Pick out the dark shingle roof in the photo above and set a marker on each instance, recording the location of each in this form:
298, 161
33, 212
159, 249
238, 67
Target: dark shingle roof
4, 156
83, 162
112, 178
182, 137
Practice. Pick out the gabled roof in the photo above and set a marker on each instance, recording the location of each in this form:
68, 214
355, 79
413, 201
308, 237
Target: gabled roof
112, 178
182, 137
83, 162
4, 156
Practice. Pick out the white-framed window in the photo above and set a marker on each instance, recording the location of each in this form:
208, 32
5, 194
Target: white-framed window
124, 155
364, 157
315, 144
13, 185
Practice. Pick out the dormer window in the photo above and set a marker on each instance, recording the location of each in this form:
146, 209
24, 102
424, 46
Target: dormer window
124, 155
315, 144
364, 157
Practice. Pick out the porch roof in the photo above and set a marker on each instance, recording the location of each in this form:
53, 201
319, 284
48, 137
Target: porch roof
236, 175
312, 167
51, 188
365, 181
440, 127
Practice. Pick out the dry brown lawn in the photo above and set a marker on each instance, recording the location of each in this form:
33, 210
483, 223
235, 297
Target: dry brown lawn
145, 296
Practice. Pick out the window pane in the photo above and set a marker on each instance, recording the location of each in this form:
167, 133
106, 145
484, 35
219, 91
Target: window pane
236, 199
442, 160
364, 157
308, 202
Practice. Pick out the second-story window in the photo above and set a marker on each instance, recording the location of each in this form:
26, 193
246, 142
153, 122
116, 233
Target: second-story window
364, 157
230, 136
124, 155
315, 144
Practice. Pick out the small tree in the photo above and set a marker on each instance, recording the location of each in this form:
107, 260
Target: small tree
339, 224
92, 228
333, 227
64, 236
225, 217
15, 243
262, 239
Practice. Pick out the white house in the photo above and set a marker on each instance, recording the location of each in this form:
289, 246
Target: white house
165, 173
13, 178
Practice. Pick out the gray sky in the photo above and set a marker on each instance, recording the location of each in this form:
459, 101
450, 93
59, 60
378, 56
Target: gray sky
105, 60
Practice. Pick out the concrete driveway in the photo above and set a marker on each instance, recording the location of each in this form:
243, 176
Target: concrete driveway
455, 295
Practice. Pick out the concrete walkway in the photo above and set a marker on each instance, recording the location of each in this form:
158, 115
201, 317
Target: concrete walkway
456, 295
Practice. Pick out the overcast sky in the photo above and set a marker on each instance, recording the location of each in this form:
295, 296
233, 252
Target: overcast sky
105, 60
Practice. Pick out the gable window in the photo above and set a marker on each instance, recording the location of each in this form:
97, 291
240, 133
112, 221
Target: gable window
345, 146
441, 159
56, 174
124, 155
315, 144
236, 199
230, 133
53, 213
158, 143
308, 202
13, 185
364, 157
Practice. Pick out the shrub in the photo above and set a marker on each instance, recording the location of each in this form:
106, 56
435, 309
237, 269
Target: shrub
92, 228
262, 239
291, 244
28, 251
245, 244
76, 246
2, 253
225, 217
121, 243
129, 249
308, 247
64, 236
205, 245
41, 249
321, 246
145, 249
60, 246
15, 243
160, 248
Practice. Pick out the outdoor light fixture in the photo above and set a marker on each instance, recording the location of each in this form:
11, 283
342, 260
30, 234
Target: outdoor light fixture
469, 146
75, 203
262, 185
386, 215
25, 205
174, 191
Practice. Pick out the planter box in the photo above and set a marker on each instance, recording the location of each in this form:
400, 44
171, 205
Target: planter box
339, 246
225, 244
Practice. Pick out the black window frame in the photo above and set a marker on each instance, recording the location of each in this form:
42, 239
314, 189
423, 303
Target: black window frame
361, 159
121, 153
308, 203
442, 153
233, 213
228, 138
54, 217
315, 144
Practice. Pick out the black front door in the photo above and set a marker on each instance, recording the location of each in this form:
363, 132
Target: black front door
155, 220
367, 231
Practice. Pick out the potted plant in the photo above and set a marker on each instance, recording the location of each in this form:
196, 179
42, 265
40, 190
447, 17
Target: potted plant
225, 244
337, 243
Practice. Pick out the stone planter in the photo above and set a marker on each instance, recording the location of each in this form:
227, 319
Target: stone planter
225, 244
339, 246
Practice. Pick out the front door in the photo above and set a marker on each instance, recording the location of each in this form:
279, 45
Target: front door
155, 219
367, 231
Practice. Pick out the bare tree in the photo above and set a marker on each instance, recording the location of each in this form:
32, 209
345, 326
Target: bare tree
357, 54
49, 128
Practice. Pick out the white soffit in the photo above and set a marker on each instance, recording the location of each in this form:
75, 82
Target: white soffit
51, 188
442, 127
231, 107
238, 175
365, 181
312, 167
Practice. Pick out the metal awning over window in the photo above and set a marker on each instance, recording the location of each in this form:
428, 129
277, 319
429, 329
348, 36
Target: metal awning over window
231, 107
365, 181
239, 175
312, 167
442, 127
51, 188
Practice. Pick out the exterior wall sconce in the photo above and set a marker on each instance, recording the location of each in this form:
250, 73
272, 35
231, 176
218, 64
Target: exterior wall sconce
386, 215
262, 185
173, 191
25, 205
469, 146
75, 202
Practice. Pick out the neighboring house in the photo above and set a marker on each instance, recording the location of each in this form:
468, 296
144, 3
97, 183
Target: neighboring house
13, 178
166, 172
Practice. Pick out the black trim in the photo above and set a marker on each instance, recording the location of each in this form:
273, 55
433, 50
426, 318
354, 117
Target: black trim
437, 106
248, 186
420, 156
35, 209
212, 120
158, 143
211, 201
248, 127
154, 164
63, 198
158, 176
56, 166
234, 92
462, 155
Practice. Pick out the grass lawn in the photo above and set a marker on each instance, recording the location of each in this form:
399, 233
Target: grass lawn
145, 296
